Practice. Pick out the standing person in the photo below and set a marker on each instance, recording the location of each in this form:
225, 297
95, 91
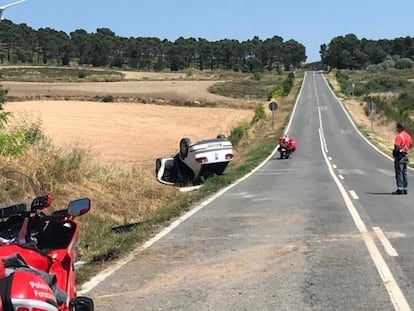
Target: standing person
402, 143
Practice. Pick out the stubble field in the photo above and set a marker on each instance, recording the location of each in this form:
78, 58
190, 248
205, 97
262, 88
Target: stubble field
126, 132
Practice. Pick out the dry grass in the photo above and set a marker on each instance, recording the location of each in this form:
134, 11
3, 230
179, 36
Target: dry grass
380, 130
118, 142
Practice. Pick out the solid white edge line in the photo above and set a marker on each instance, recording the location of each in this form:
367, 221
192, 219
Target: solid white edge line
385, 242
94, 281
396, 296
355, 127
353, 195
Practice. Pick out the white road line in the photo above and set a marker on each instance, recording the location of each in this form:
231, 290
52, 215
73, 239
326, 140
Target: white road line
341, 177
353, 195
349, 171
329, 158
334, 166
396, 296
355, 127
385, 242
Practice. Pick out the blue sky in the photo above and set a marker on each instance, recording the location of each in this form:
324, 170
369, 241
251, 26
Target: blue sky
310, 22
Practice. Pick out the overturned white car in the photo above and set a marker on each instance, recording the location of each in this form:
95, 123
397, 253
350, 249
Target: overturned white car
195, 162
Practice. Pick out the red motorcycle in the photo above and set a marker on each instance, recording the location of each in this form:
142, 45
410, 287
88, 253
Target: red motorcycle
287, 145
37, 256
284, 151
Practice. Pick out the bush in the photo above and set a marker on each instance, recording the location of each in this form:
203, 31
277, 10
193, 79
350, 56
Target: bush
283, 89
360, 89
259, 114
238, 133
404, 63
385, 84
3, 94
81, 75
288, 84
15, 141
108, 99
343, 80
275, 92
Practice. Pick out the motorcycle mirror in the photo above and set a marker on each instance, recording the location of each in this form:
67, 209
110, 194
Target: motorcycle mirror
79, 207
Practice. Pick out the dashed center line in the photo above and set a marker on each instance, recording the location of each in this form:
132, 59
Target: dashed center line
353, 195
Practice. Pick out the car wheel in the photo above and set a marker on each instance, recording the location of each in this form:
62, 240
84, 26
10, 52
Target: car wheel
221, 136
184, 147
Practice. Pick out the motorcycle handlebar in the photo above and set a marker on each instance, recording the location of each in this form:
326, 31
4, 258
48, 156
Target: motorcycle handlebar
13, 210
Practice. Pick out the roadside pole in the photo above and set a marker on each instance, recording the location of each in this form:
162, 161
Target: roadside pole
372, 106
273, 108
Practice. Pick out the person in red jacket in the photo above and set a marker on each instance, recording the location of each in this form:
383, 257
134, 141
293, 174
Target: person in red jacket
402, 144
288, 141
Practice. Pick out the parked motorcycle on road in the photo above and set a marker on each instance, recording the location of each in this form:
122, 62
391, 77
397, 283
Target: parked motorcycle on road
37, 256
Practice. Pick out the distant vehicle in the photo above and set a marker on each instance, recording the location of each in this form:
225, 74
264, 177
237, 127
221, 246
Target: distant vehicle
195, 162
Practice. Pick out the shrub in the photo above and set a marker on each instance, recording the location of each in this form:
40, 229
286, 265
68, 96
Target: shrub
3, 94
257, 76
15, 141
275, 92
404, 63
259, 114
360, 89
343, 80
108, 99
288, 84
81, 75
385, 84
238, 133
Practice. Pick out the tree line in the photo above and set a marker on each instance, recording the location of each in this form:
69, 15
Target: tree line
349, 52
21, 44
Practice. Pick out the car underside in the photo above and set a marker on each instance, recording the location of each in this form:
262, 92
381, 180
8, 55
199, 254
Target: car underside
194, 163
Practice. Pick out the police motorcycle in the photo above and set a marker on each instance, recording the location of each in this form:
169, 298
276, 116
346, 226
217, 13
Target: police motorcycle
38, 250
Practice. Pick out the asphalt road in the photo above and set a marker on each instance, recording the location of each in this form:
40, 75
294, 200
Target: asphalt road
318, 231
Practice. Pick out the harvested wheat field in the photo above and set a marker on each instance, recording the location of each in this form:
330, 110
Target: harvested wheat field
126, 132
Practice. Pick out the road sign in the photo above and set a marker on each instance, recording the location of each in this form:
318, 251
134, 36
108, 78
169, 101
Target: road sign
273, 106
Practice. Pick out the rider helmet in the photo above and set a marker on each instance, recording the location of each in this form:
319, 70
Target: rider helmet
400, 126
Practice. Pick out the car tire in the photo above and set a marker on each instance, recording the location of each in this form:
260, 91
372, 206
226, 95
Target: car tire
221, 136
184, 147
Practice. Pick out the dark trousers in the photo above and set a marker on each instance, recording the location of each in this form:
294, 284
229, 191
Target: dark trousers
400, 166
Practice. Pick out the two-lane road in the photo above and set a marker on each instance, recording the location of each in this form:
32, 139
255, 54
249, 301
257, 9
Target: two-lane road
314, 232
